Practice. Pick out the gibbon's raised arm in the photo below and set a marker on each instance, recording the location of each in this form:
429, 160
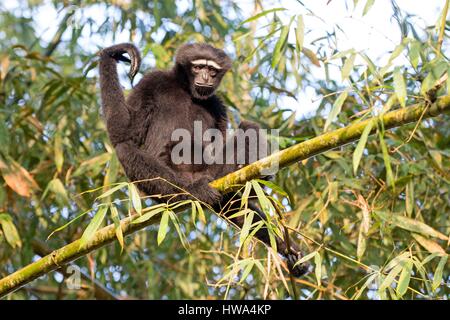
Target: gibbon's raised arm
114, 106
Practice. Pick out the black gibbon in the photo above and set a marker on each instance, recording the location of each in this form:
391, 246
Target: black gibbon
140, 126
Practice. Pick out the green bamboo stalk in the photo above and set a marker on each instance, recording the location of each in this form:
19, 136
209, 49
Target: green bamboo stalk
322, 143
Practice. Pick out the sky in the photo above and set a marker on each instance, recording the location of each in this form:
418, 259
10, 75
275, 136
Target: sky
375, 34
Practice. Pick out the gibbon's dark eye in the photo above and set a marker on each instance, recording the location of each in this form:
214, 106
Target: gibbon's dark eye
212, 71
196, 68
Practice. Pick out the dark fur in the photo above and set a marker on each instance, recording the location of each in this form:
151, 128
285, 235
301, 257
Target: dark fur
140, 127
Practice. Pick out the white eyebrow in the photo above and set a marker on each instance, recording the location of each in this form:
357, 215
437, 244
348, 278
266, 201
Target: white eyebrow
213, 64
199, 61
206, 63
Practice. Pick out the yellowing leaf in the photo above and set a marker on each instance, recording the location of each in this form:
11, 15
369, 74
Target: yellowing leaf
411, 225
311, 56
429, 245
117, 227
17, 178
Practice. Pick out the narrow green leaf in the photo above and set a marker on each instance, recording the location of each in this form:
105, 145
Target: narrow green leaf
176, 224
369, 4
336, 109
117, 227
10, 231
280, 45
299, 33
112, 190
93, 226
409, 201
58, 150
163, 227
387, 161
193, 212
246, 227
148, 215
135, 198
262, 198
411, 225
274, 187
390, 277
368, 282
398, 49
262, 14
308, 257
437, 278
201, 213
414, 53
400, 86
245, 194
348, 66
405, 277
360, 146
318, 269
57, 187
247, 271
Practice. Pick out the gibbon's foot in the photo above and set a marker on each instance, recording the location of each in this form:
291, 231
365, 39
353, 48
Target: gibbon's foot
300, 269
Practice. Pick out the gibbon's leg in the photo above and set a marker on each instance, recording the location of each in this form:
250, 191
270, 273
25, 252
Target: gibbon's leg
140, 165
231, 204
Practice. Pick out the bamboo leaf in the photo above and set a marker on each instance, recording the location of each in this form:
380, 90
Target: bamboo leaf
360, 146
17, 177
348, 66
336, 109
369, 4
93, 226
10, 231
59, 155
135, 198
390, 277
308, 257
429, 245
409, 201
411, 225
163, 227
247, 270
201, 213
148, 215
318, 269
400, 86
280, 45
405, 277
117, 227
299, 33
246, 227
112, 190
437, 278
262, 14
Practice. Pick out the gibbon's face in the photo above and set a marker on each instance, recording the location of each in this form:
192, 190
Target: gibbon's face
206, 77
